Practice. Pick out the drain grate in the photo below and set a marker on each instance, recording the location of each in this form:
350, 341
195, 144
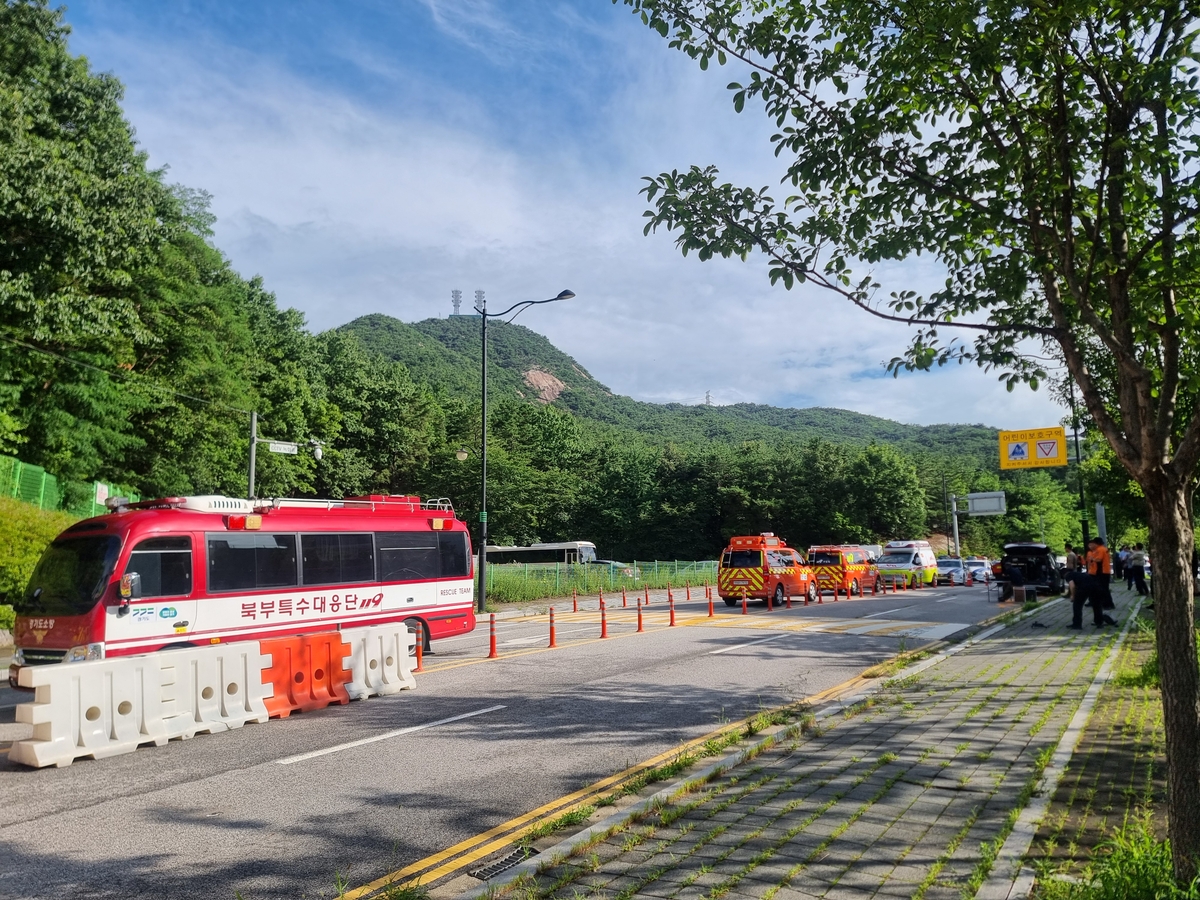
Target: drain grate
503, 864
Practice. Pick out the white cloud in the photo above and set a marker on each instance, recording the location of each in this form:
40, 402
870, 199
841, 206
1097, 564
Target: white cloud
347, 208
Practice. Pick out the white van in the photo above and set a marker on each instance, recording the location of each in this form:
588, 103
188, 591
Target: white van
912, 561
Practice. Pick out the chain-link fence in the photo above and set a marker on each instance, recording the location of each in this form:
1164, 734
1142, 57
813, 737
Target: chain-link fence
523, 582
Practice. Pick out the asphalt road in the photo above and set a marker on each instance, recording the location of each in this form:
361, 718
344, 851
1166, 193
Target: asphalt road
285, 810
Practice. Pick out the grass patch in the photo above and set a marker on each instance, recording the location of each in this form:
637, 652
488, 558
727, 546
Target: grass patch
1133, 864
898, 662
567, 820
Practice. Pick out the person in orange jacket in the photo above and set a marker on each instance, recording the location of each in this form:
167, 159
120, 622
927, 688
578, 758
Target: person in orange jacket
1099, 566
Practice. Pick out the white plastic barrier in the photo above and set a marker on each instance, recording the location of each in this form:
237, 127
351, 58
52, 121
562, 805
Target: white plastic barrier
211, 689
111, 706
380, 660
100, 708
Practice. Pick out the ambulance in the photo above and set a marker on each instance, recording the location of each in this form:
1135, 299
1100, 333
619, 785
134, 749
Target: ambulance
763, 566
843, 568
909, 562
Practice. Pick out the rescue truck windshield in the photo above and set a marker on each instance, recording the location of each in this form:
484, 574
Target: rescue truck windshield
71, 576
742, 559
824, 558
896, 559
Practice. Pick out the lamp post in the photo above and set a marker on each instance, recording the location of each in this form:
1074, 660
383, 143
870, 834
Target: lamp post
481, 308
291, 448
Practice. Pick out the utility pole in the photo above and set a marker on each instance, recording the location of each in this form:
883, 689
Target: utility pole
954, 513
481, 306
253, 453
708, 398
945, 505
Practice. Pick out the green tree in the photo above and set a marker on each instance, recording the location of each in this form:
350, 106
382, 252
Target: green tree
1044, 156
79, 211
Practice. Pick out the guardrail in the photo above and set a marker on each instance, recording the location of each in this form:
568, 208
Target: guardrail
524, 582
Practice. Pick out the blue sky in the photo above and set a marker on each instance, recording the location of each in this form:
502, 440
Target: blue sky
370, 157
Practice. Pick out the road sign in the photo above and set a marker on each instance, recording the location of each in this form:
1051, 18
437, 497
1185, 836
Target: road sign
1033, 449
283, 447
990, 503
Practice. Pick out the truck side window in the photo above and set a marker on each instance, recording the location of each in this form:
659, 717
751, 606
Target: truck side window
338, 558
165, 564
249, 561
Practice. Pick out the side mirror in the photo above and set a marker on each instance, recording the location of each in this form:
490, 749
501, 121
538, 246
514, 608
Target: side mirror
131, 586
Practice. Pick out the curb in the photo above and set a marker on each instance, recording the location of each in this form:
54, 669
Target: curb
1010, 880
568, 844
840, 705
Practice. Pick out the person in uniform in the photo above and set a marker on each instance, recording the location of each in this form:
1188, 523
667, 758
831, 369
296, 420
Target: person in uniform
1099, 569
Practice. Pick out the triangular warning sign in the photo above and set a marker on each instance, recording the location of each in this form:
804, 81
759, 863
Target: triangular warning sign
1047, 449
1018, 450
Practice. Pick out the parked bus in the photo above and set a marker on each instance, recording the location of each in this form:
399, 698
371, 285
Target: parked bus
188, 571
562, 552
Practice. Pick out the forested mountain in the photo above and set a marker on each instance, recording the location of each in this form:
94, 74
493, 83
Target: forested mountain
131, 351
444, 354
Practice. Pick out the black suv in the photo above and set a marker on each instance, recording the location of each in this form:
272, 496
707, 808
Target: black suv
1037, 564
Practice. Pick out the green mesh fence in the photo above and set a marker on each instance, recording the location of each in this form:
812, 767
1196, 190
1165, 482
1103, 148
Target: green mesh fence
33, 484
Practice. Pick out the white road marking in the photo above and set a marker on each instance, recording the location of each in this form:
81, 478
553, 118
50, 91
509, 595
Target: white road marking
382, 737
945, 599
891, 611
749, 644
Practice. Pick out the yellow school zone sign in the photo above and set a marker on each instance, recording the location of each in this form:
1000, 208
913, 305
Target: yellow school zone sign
1033, 449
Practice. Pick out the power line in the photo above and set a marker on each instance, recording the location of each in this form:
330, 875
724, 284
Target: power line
120, 376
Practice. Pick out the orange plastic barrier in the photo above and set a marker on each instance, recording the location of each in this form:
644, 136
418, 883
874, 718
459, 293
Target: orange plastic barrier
307, 672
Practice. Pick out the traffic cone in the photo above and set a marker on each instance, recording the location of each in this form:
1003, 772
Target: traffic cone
492, 654
552, 643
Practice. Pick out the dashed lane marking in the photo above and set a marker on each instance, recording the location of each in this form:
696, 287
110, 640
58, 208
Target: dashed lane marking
375, 738
748, 643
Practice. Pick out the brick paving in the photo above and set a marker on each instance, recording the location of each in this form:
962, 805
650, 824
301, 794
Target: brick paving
897, 799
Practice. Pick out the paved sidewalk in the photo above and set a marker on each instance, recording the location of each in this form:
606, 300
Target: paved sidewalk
905, 796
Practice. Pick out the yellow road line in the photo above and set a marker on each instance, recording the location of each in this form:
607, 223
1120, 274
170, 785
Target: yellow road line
471, 850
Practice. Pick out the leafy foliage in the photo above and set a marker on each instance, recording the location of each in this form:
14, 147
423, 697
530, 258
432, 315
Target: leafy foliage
25, 531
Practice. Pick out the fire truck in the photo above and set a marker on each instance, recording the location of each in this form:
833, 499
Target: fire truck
190, 571
763, 566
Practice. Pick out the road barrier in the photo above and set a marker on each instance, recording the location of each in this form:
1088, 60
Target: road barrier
574, 600
603, 622
671, 605
215, 688
710, 606
108, 707
640, 629
380, 660
624, 601
745, 610
98, 709
307, 672
492, 654
552, 642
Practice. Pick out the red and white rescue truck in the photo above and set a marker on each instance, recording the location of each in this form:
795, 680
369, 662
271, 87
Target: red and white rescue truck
193, 571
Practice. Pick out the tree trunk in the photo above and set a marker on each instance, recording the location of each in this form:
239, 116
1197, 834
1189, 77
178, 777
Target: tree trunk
1171, 541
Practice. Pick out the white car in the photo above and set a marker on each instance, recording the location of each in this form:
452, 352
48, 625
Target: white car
951, 571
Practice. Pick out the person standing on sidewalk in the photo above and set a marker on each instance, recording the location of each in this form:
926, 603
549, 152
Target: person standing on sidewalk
1136, 569
1071, 570
1099, 565
1118, 562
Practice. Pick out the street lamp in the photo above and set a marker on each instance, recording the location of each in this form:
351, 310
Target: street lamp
461, 454
481, 308
291, 448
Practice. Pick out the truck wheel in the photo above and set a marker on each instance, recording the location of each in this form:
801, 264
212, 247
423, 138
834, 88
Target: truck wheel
812, 592
778, 601
730, 601
854, 588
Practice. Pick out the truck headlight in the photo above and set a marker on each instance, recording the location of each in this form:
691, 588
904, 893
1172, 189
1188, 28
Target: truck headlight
85, 652
19, 657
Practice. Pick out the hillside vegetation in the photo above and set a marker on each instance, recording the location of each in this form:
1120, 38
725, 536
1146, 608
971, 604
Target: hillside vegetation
131, 351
